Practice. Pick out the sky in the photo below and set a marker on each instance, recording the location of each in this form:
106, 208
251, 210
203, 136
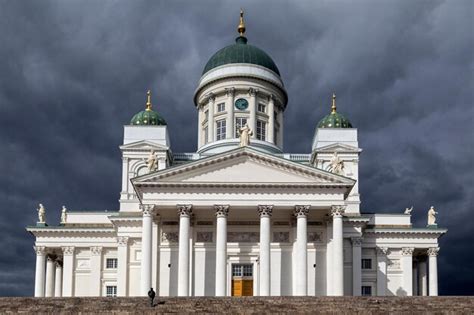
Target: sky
72, 73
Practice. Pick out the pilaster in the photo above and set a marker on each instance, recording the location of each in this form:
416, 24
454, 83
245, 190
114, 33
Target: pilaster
68, 271
407, 267
122, 267
356, 265
96, 271
381, 270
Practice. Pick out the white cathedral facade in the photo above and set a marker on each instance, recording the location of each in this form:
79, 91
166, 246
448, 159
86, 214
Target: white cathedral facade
239, 216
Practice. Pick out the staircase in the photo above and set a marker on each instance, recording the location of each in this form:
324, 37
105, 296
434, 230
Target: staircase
241, 305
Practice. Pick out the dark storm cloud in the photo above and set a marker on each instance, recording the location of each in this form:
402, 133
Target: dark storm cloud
72, 73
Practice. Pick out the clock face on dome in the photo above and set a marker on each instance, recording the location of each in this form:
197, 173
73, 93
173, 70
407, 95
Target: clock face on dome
241, 104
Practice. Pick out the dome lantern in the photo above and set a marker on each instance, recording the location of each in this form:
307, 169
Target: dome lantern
334, 119
148, 116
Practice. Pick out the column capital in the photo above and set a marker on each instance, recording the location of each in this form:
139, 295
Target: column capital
68, 250
211, 97
221, 210
407, 251
337, 211
433, 251
230, 91
381, 251
96, 250
147, 210
184, 210
253, 92
40, 250
301, 211
356, 241
265, 210
122, 240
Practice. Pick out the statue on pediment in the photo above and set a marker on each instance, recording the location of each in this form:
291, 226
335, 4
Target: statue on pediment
41, 214
408, 210
336, 165
152, 161
432, 216
63, 215
244, 134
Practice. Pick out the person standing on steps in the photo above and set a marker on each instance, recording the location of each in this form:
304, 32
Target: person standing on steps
151, 295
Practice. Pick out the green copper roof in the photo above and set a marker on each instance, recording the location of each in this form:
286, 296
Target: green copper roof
334, 120
149, 117
241, 52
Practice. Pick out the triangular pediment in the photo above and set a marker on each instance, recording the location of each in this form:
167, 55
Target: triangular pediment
338, 147
244, 166
143, 145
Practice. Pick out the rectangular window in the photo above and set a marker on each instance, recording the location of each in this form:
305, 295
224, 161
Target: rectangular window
248, 270
220, 107
236, 271
111, 263
111, 291
261, 130
221, 129
366, 290
261, 108
239, 123
206, 135
366, 263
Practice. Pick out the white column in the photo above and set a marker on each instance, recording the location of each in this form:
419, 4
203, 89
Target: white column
433, 270
221, 249
96, 271
407, 268
265, 213
40, 270
271, 118
301, 281
147, 220
229, 106
184, 212
124, 193
49, 290
356, 265
210, 120
253, 111
422, 278
122, 266
68, 271
338, 250
58, 280
381, 271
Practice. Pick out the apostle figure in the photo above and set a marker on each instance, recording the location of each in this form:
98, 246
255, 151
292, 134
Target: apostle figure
152, 161
337, 165
63, 215
408, 210
244, 133
41, 214
432, 216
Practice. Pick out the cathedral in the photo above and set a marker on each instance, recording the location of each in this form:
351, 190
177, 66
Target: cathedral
239, 216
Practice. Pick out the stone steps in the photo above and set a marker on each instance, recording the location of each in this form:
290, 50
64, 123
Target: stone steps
241, 305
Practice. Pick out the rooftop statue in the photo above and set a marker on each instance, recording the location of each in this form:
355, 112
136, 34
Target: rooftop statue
152, 161
337, 165
432, 216
41, 214
63, 215
408, 210
244, 134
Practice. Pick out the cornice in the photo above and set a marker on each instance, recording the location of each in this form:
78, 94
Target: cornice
407, 231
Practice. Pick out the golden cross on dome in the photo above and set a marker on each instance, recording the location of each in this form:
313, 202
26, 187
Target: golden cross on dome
148, 100
241, 27
333, 106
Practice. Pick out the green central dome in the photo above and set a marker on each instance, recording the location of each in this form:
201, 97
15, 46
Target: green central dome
148, 116
241, 52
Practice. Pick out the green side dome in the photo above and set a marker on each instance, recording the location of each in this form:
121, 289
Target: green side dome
148, 116
241, 52
334, 119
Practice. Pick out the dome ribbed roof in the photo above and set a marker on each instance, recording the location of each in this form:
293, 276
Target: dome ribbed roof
241, 52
